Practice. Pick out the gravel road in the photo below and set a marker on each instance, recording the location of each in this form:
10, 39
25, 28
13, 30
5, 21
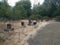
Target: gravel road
48, 35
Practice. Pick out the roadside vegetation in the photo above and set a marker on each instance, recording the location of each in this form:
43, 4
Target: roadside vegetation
2, 39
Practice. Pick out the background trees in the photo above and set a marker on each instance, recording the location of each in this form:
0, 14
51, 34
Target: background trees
23, 10
48, 9
3, 9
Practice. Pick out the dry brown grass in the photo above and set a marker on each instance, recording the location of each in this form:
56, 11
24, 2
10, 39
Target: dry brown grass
19, 35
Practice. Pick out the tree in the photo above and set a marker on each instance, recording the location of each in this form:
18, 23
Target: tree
55, 2
57, 13
23, 9
3, 9
45, 10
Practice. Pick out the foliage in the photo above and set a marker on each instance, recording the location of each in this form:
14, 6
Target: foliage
23, 10
2, 39
3, 9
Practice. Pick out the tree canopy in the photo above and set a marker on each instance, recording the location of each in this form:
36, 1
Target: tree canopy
23, 10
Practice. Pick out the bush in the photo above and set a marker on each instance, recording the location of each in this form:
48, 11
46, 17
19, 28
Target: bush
2, 39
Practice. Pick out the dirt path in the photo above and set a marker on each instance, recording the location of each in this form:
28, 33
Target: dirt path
33, 33
48, 35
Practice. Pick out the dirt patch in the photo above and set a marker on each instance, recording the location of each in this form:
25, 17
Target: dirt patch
21, 34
